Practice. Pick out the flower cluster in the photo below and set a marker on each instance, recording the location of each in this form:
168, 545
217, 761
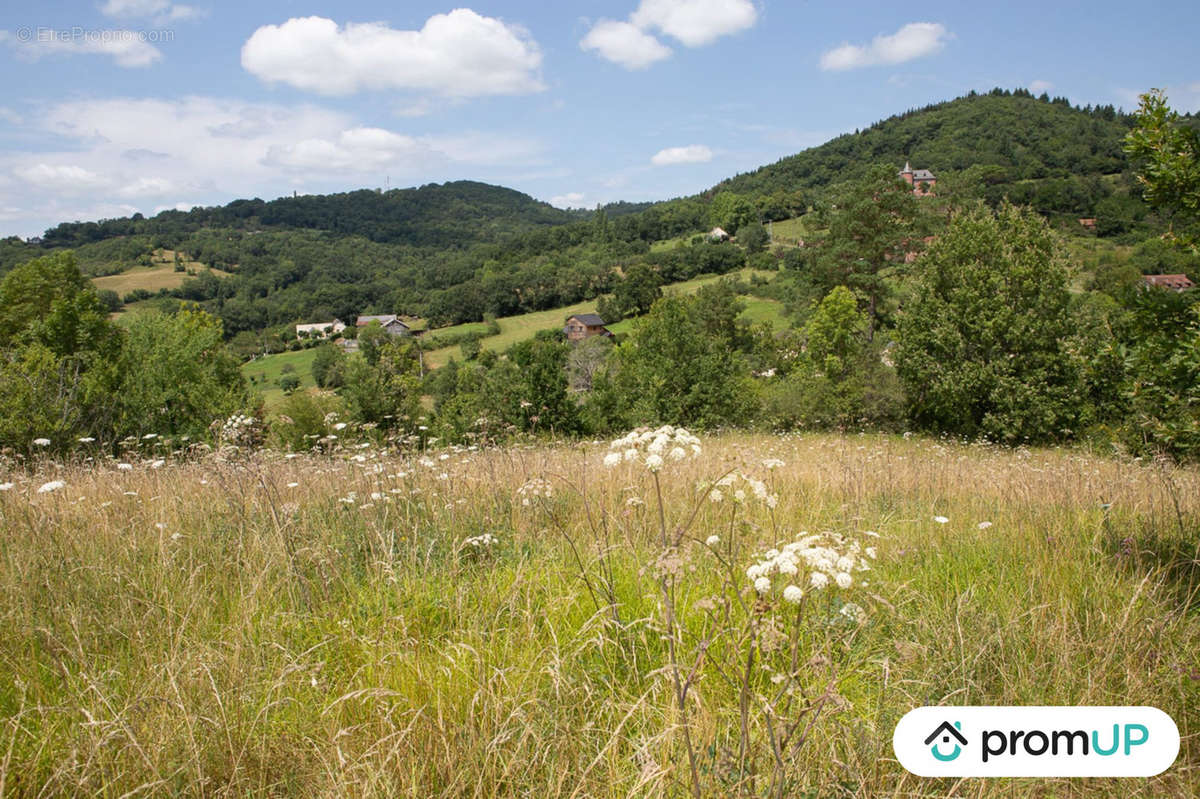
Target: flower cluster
735, 484
821, 559
535, 488
240, 430
653, 447
481, 541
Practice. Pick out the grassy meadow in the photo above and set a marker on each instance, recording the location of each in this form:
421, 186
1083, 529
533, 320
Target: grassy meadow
520, 621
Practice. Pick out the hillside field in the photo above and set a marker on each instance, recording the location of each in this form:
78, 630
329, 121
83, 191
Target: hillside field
339, 625
266, 370
160, 274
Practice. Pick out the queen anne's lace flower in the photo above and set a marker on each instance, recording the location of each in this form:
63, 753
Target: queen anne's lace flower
793, 594
653, 447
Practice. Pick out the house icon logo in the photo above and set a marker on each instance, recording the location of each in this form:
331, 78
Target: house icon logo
946, 731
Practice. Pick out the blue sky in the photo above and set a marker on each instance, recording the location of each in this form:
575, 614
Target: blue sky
117, 106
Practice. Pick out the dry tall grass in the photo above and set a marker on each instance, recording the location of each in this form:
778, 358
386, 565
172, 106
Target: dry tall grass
320, 626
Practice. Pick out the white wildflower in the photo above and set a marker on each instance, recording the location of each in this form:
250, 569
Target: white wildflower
853, 612
712, 540
870, 552
818, 580
772, 463
654, 462
149, 436
86, 440
793, 594
6, 486
41, 442
984, 525
124, 467
53, 485
844, 580
715, 495
293, 485
612, 459
940, 519
762, 585
158, 464
677, 454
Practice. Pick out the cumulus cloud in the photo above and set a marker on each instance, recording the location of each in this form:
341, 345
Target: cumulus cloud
356, 149
146, 187
691, 154
459, 54
126, 48
914, 40
1039, 86
153, 153
64, 178
694, 23
572, 199
625, 44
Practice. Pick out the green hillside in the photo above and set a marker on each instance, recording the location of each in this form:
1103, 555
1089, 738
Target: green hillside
1006, 137
458, 252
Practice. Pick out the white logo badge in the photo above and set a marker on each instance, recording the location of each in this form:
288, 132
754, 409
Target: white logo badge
982, 741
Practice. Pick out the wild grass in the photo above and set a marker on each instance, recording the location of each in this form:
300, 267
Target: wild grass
319, 625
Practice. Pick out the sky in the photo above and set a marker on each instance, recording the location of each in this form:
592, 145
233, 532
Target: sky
113, 107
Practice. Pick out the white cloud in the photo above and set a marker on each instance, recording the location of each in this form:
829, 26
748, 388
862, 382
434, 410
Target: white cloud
160, 11
114, 153
914, 40
691, 154
64, 178
695, 22
127, 48
459, 54
146, 187
624, 44
356, 149
1039, 86
572, 199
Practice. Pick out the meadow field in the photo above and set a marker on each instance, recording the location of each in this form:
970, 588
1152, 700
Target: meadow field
735, 615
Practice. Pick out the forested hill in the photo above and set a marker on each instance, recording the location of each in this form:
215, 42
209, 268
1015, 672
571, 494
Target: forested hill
999, 139
459, 251
456, 214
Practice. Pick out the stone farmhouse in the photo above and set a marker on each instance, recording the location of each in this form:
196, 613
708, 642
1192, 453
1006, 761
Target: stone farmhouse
921, 180
390, 322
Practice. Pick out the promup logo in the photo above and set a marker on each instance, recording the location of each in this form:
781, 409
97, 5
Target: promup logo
946, 731
1036, 741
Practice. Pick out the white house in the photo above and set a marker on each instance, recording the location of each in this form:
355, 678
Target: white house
321, 329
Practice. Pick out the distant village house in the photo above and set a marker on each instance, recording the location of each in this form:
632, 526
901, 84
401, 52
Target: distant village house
1169, 282
585, 325
1088, 222
389, 322
921, 180
321, 329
